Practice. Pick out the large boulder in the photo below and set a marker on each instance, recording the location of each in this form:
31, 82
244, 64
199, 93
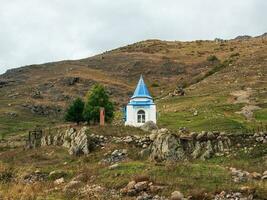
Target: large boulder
77, 141
81, 142
177, 195
167, 147
149, 126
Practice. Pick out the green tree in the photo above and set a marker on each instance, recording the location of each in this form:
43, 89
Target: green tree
97, 98
75, 111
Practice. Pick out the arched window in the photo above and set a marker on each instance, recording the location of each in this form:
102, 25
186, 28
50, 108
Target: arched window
141, 116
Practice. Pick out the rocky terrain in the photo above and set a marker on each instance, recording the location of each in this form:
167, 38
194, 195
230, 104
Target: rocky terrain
73, 162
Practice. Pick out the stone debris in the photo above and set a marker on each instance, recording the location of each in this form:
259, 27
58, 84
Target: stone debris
177, 195
232, 196
138, 141
116, 156
57, 174
243, 176
73, 186
142, 190
36, 94
43, 110
59, 181
36, 176
260, 137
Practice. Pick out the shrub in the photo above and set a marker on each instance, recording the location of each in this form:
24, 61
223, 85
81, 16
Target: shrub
154, 85
6, 176
75, 111
234, 55
212, 58
96, 99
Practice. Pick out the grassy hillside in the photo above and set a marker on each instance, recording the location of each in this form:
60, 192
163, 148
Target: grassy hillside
215, 75
197, 178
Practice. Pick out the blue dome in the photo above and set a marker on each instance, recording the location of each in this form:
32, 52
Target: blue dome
141, 89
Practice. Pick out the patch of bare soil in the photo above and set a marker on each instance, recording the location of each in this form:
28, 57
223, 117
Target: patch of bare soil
243, 96
247, 111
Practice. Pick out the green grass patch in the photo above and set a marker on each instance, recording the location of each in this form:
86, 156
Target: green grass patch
213, 113
122, 175
261, 115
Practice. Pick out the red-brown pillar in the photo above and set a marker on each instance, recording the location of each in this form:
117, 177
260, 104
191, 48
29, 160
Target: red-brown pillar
102, 116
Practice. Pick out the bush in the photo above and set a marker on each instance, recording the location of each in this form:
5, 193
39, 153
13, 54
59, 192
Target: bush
154, 85
96, 99
234, 55
6, 176
75, 111
212, 58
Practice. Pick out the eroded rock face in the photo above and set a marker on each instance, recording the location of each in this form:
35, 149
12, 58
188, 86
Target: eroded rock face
77, 141
167, 146
43, 110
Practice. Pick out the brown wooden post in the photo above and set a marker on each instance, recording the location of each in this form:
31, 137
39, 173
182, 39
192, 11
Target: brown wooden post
102, 116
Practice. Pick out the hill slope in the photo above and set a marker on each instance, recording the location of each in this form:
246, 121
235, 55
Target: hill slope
38, 94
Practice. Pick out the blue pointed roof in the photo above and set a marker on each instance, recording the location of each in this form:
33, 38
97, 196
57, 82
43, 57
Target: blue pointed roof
141, 89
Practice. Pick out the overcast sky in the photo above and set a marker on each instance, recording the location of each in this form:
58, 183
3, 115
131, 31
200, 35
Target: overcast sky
38, 31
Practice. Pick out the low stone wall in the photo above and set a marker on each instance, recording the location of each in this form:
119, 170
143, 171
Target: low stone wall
204, 145
168, 146
158, 144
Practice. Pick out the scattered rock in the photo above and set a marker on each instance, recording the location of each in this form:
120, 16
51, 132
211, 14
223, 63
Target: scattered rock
149, 126
54, 175
43, 110
116, 156
72, 186
115, 166
177, 195
36, 176
143, 190
255, 175
141, 186
69, 81
233, 195
59, 181
36, 94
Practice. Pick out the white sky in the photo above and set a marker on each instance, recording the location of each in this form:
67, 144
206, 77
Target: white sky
38, 31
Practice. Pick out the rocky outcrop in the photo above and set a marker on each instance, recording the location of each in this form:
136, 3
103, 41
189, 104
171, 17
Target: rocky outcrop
69, 81
43, 110
77, 141
204, 145
3, 83
168, 146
